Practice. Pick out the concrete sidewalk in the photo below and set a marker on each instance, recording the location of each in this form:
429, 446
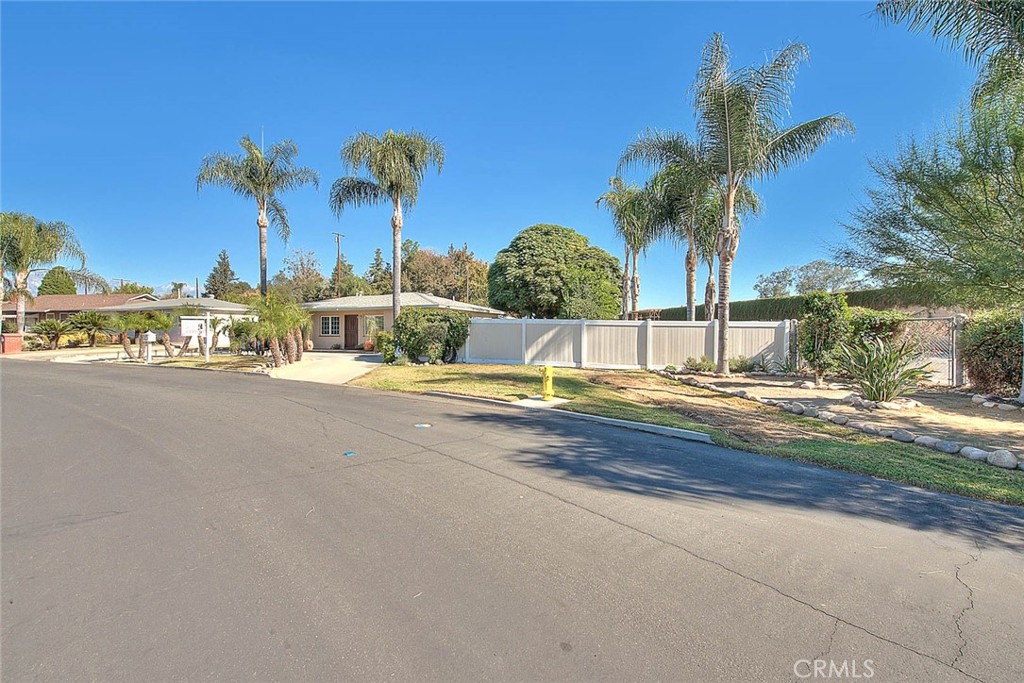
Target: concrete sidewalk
328, 367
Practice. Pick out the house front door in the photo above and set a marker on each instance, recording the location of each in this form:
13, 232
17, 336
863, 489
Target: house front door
351, 331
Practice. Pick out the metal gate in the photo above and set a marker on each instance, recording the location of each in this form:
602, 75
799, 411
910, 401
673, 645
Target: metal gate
936, 338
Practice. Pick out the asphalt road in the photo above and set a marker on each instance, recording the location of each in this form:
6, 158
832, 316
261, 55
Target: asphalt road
167, 525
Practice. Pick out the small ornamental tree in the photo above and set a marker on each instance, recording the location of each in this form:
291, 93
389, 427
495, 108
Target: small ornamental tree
824, 326
432, 333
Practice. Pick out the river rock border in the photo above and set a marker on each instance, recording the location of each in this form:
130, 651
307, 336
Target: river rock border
998, 458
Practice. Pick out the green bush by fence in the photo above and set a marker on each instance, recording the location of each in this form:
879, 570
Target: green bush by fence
436, 334
789, 307
992, 348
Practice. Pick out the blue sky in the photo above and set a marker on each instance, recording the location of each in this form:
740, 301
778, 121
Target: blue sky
108, 109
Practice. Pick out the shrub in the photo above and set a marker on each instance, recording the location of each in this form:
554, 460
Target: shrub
824, 326
385, 343
431, 333
704, 364
741, 364
883, 370
670, 368
52, 331
991, 349
866, 324
789, 307
9, 326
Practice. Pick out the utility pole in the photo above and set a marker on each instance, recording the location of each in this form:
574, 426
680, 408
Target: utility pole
337, 267
197, 288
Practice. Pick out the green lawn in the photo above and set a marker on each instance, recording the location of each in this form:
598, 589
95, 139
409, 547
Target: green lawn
736, 423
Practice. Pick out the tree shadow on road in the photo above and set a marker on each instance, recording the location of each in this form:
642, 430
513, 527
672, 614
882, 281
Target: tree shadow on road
673, 469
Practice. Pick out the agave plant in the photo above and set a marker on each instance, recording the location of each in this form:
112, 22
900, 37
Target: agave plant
883, 370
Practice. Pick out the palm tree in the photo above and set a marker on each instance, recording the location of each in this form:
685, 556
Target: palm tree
274, 321
176, 289
634, 215
740, 121
28, 245
90, 322
683, 177
261, 177
396, 163
990, 33
52, 330
123, 324
163, 323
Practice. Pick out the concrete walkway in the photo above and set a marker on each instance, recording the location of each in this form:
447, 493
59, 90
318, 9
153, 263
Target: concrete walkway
329, 367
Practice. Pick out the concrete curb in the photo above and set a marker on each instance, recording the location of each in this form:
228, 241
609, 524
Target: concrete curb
672, 432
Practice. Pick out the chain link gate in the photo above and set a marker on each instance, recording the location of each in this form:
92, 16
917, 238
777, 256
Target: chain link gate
937, 339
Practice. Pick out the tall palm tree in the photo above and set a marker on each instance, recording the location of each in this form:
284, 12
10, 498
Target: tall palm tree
990, 33
260, 176
28, 245
740, 119
177, 288
634, 216
708, 221
683, 176
396, 163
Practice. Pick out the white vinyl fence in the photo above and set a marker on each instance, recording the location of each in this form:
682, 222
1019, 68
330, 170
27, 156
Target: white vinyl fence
618, 344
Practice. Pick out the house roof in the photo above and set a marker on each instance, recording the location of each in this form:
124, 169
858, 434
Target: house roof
204, 305
409, 299
46, 303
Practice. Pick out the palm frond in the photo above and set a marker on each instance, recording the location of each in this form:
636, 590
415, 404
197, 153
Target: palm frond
799, 142
349, 191
278, 215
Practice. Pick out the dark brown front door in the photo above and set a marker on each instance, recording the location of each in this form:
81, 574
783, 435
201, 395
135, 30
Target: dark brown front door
351, 331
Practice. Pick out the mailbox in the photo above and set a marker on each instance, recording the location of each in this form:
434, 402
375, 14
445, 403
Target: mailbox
149, 337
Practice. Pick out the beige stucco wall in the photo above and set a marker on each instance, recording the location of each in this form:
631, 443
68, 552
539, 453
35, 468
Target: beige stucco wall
327, 341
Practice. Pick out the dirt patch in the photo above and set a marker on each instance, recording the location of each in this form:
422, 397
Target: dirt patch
746, 421
943, 413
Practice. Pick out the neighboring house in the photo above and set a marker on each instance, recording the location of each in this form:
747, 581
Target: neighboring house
349, 321
63, 306
192, 323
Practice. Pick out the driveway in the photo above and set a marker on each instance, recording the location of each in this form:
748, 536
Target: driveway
190, 525
329, 367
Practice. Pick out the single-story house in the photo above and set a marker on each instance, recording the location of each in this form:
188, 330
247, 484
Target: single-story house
349, 321
188, 325
63, 306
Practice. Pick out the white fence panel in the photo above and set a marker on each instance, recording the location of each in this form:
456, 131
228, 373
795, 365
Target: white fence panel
753, 339
615, 344
553, 342
672, 343
499, 341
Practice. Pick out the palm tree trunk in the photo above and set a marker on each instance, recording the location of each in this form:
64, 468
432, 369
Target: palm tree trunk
625, 286
168, 347
636, 283
709, 293
728, 242
262, 223
184, 346
127, 345
396, 258
275, 352
289, 345
202, 344
20, 288
691, 276
297, 334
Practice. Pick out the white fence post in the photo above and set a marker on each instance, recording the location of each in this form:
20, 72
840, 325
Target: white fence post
583, 343
523, 323
714, 341
648, 344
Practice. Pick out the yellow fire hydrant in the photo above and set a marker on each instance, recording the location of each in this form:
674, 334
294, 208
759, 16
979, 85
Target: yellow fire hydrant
548, 383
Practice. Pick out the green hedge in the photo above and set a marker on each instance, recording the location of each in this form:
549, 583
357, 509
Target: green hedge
789, 307
436, 334
992, 348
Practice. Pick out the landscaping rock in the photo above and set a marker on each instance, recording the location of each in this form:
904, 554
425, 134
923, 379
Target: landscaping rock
740, 392
889, 405
988, 404
840, 419
811, 411
1003, 458
838, 387
808, 385
751, 397
887, 433
851, 398
825, 415
868, 404
903, 436
855, 424
978, 398
951, 447
870, 429
769, 401
972, 453
926, 441
1007, 406
796, 408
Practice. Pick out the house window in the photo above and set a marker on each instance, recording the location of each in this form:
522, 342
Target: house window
372, 324
330, 325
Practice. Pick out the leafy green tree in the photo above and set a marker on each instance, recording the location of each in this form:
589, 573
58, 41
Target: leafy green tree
261, 177
379, 277
344, 281
530, 277
396, 163
457, 274
944, 217
740, 121
57, 281
129, 287
775, 283
824, 326
990, 33
91, 323
27, 246
301, 279
222, 278
822, 275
